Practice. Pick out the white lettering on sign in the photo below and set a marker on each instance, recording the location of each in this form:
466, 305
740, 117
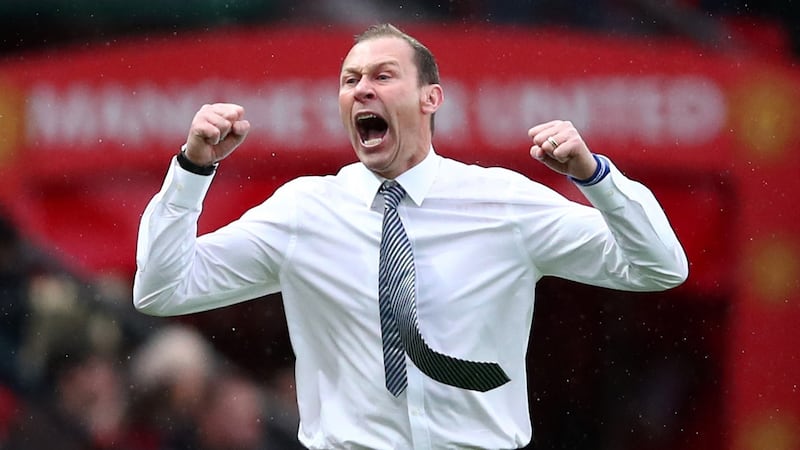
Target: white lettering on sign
651, 110
291, 114
301, 113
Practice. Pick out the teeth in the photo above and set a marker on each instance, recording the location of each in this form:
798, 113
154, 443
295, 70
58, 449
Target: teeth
372, 142
366, 116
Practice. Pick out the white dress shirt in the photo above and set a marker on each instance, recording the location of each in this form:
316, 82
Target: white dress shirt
482, 238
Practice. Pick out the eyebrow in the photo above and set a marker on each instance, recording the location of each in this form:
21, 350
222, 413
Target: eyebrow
371, 67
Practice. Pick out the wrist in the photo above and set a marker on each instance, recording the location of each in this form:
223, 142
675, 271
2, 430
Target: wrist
188, 165
601, 170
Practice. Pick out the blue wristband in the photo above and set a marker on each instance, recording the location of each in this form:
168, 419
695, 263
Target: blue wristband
600, 172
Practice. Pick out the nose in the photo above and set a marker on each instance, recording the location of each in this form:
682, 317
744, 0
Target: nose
364, 90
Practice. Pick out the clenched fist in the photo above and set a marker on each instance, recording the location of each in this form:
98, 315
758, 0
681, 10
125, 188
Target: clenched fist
558, 145
215, 132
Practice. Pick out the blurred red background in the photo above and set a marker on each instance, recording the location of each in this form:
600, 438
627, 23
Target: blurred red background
87, 132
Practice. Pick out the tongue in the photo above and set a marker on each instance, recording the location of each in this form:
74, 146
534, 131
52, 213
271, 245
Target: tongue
373, 137
373, 134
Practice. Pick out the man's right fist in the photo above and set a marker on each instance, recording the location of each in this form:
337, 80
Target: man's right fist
215, 133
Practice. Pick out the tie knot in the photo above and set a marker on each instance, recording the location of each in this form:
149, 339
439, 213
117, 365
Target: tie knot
392, 194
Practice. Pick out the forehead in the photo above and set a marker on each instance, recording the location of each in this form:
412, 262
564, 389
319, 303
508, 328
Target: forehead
378, 50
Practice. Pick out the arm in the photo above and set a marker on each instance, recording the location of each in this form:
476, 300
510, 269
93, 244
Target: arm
625, 241
178, 273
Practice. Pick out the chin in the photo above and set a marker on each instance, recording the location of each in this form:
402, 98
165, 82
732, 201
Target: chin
375, 164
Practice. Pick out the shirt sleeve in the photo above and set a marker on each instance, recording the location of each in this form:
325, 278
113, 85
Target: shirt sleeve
624, 241
180, 273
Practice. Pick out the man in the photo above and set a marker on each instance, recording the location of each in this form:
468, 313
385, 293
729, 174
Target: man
407, 278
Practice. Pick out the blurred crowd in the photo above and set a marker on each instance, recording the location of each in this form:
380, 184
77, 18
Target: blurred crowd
80, 370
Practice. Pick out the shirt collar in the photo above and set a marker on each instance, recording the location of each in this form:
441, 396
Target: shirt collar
416, 181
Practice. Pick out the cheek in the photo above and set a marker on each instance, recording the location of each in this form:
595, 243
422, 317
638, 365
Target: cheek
410, 109
345, 105
407, 117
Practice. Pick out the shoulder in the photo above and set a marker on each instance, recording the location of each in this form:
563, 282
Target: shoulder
314, 184
459, 180
305, 184
453, 166
477, 175
320, 189
293, 199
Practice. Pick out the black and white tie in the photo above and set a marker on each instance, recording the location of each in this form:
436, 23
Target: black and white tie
398, 311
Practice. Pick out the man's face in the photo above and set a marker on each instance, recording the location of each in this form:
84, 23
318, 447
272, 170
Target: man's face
384, 110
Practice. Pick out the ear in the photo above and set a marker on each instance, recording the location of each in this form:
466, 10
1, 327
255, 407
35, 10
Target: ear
432, 97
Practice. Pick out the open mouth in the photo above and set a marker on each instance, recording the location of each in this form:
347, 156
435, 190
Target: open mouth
371, 128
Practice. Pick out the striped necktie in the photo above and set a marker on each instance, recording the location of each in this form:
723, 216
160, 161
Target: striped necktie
398, 311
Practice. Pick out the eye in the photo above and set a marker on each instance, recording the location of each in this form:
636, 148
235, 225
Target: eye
383, 77
349, 81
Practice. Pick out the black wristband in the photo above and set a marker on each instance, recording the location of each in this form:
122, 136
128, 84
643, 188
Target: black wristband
188, 165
